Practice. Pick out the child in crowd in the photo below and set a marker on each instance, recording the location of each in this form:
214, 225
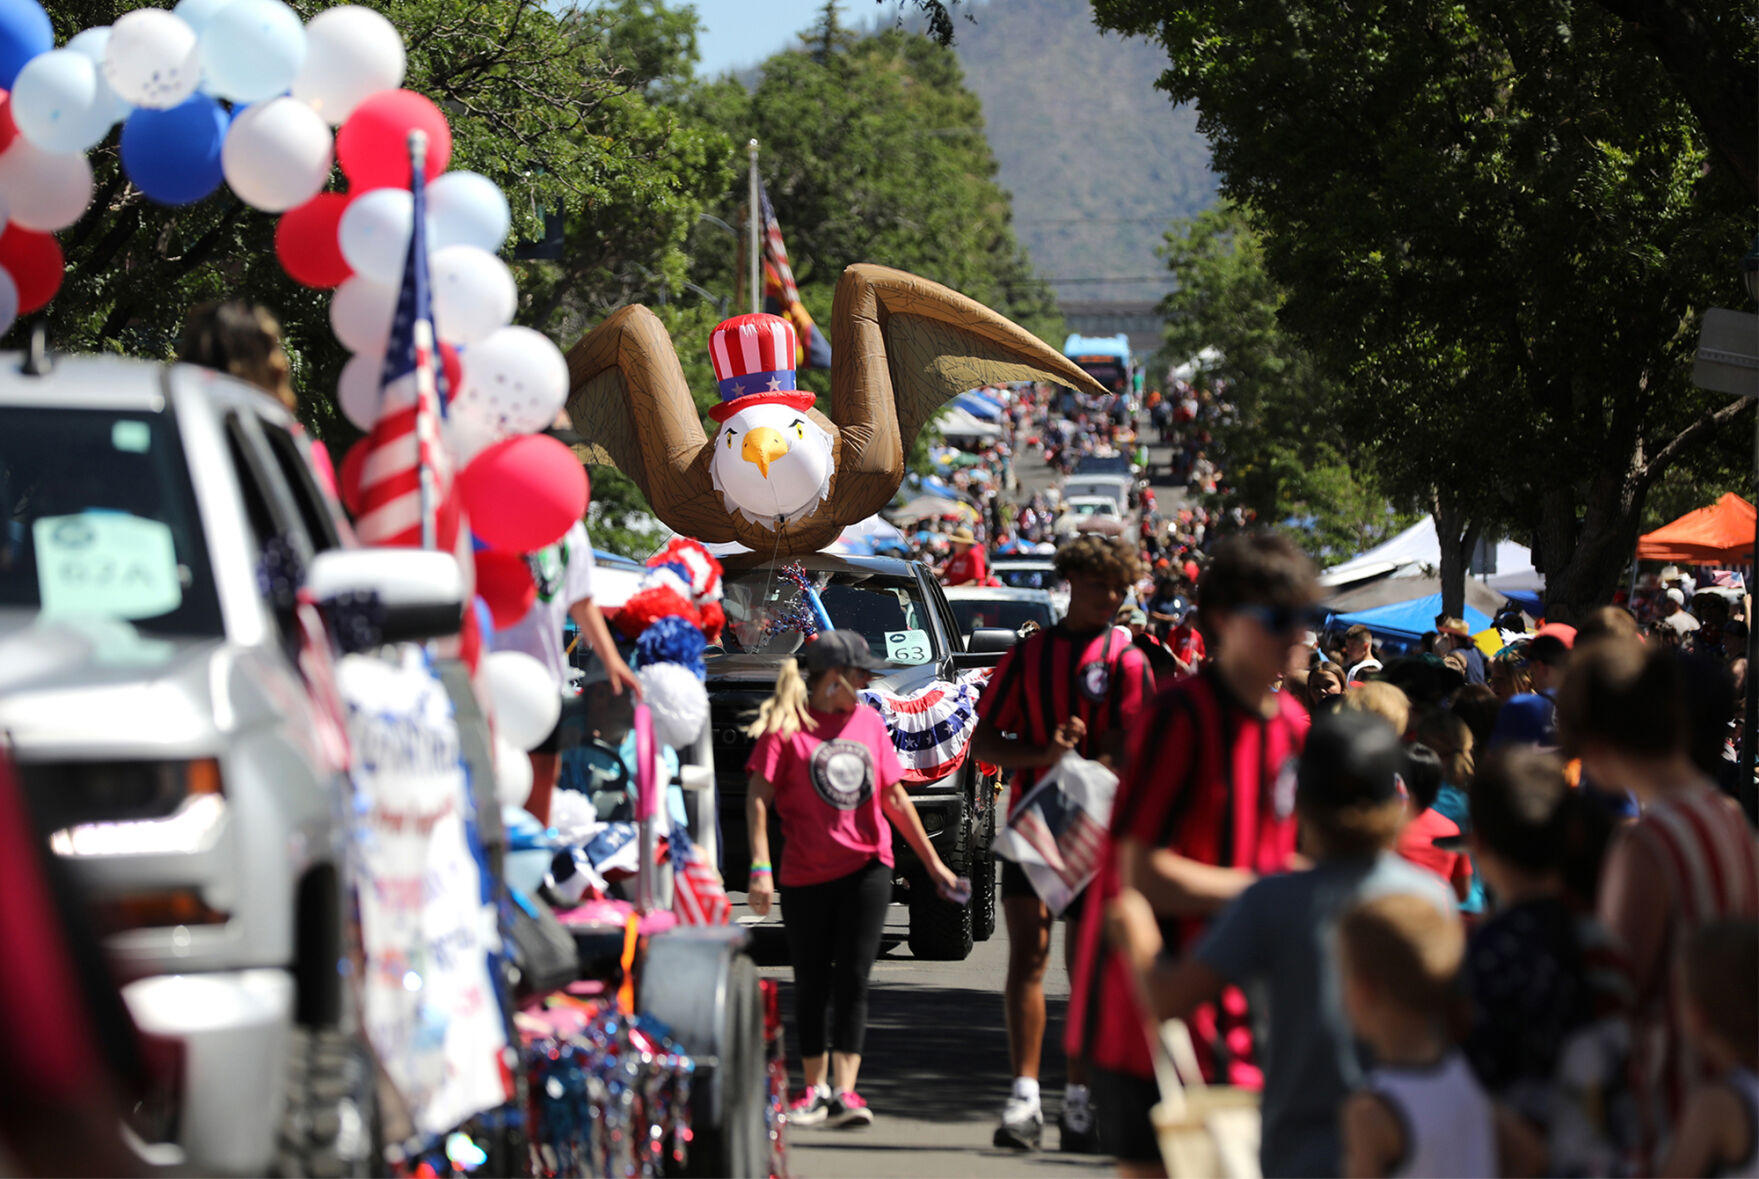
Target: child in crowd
1421, 1111
1548, 997
1430, 839
1387, 701
1277, 939
1448, 736
1719, 1130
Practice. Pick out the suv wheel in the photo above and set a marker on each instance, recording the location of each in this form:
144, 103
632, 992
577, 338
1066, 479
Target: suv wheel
983, 897
940, 931
330, 1125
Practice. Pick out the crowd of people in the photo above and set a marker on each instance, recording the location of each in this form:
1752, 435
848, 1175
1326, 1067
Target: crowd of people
1484, 906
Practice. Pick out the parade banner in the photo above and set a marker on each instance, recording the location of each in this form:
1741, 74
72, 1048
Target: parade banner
430, 1005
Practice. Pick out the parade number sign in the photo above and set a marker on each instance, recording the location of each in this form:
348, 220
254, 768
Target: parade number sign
430, 1006
106, 563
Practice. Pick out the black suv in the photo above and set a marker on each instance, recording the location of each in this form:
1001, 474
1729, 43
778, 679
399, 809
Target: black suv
900, 608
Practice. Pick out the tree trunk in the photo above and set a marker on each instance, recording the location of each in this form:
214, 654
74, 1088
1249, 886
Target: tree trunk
1456, 533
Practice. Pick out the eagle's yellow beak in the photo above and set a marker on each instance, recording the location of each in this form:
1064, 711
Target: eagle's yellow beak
764, 446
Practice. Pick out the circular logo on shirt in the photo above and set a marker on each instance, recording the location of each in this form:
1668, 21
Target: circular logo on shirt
1095, 678
842, 773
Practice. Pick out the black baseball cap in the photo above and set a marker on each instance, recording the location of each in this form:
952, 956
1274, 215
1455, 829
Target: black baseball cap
1350, 759
841, 648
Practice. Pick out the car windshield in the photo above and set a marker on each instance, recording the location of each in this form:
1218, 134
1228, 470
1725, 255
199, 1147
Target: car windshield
1095, 507
1026, 576
97, 518
1103, 464
1011, 613
764, 608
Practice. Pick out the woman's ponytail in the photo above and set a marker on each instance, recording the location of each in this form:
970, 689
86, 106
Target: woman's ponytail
784, 713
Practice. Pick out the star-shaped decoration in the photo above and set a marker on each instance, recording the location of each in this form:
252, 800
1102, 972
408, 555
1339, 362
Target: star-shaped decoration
738, 388
775, 385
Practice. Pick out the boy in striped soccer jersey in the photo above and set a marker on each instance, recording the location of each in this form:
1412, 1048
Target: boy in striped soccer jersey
1077, 686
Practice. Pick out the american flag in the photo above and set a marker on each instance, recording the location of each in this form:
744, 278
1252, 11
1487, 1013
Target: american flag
405, 445
778, 287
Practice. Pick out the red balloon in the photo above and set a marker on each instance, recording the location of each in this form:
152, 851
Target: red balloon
348, 477
453, 367
306, 242
523, 493
503, 580
373, 145
470, 641
8, 129
34, 261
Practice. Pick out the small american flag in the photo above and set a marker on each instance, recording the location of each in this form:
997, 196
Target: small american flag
404, 447
698, 896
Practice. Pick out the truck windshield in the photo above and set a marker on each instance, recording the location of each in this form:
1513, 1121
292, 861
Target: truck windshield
98, 519
762, 608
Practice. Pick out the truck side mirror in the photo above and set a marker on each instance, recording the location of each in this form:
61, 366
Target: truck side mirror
420, 594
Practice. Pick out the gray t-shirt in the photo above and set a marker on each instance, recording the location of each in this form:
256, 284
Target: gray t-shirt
1277, 942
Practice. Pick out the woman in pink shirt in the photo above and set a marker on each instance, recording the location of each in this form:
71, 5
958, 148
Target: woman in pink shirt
825, 762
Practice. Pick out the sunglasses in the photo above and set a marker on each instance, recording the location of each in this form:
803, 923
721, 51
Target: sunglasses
1277, 620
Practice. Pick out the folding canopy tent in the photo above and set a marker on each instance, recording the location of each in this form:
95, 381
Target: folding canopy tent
1409, 619
1721, 534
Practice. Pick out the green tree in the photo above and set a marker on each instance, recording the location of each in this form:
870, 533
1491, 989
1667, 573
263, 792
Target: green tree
1497, 221
1286, 455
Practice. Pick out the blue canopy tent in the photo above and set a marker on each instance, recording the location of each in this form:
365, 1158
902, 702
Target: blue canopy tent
1407, 620
979, 407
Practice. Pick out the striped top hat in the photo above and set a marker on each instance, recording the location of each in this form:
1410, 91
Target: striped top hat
753, 357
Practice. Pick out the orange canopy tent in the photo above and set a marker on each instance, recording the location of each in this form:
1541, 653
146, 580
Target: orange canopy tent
1721, 534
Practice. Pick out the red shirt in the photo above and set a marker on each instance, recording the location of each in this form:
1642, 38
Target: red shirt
1416, 843
966, 568
1205, 779
1186, 642
828, 785
1101, 677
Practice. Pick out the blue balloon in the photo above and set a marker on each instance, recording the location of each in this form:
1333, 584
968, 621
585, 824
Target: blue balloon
174, 155
25, 31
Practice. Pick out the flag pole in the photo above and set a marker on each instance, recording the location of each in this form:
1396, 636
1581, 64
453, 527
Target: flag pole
418, 161
753, 257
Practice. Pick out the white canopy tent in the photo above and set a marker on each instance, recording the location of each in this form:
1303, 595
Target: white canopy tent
1418, 549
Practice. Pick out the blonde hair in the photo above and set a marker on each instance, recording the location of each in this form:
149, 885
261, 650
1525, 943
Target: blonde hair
1383, 700
784, 713
1406, 947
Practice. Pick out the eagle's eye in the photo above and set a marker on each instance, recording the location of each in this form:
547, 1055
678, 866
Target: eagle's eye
730, 434
799, 428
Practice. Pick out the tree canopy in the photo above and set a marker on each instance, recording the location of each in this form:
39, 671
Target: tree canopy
1496, 223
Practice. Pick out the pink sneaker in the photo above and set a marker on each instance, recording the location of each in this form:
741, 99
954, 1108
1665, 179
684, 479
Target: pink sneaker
848, 1109
810, 1109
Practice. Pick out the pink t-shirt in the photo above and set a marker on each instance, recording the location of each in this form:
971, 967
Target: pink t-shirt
828, 784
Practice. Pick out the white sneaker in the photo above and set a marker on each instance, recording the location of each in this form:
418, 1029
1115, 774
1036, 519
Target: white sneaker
1022, 1125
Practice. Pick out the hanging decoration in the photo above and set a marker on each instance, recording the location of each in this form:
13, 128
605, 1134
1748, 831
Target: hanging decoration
805, 613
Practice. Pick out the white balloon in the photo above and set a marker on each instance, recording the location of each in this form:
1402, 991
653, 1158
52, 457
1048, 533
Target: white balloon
474, 294
60, 103
357, 389
516, 379
93, 43
467, 209
152, 59
523, 697
43, 190
375, 233
512, 773
252, 50
467, 433
197, 13
8, 301
277, 155
360, 314
350, 53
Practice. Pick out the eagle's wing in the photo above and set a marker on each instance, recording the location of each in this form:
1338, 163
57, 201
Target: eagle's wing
628, 399
901, 348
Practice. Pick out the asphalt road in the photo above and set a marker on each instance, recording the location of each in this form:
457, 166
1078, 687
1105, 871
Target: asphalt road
936, 1066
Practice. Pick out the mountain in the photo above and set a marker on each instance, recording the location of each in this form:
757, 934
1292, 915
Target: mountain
1099, 162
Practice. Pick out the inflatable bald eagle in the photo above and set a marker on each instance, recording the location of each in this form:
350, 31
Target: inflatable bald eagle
780, 477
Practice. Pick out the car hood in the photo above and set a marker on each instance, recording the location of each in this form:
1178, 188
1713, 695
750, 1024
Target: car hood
98, 689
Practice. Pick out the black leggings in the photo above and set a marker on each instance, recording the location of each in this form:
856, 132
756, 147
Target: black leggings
833, 937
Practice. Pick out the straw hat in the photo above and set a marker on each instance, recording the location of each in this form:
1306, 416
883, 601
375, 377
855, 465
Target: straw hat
962, 535
1453, 626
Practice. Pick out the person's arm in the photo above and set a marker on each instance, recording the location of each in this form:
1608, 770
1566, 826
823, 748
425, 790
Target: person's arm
593, 629
1634, 906
895, 801
1013, 753
762, 886
1175, 988
1175, 885
1374, 1141
1713, 1130
1520, 1149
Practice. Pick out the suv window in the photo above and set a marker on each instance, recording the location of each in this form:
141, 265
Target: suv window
314, 510
890, 612
98, 517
